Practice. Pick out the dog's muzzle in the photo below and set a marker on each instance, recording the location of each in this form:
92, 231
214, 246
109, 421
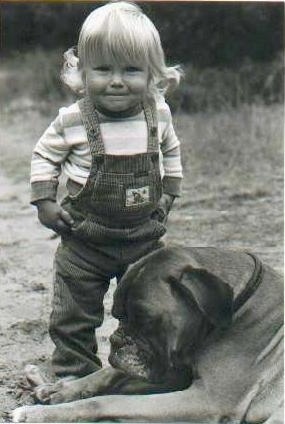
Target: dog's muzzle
136, 358
127, 356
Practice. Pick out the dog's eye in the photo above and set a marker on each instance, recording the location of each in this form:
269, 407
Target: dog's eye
142, 318
139, 320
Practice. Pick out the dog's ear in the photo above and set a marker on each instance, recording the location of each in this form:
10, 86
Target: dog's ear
212, 295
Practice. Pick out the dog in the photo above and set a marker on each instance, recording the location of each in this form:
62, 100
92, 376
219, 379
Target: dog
199, 340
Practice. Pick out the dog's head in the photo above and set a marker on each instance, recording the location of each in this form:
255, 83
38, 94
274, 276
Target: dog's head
165, 310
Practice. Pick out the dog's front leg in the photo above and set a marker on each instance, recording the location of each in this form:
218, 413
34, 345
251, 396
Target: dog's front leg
119, 408
105, 381
85, 410
97, 383
190, 406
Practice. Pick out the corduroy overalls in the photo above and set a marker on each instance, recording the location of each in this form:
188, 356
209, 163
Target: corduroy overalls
113, 228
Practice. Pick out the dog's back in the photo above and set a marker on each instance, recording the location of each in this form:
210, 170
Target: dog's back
245, 362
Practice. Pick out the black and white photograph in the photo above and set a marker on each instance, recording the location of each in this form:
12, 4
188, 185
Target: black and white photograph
141, 207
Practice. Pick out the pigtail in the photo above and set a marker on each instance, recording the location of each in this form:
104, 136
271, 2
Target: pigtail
167, 81
71, 73
173, 76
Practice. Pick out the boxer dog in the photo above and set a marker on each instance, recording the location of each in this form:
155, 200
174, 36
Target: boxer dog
199, 340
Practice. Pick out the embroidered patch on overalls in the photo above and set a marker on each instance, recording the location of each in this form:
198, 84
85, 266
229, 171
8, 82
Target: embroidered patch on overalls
137, 196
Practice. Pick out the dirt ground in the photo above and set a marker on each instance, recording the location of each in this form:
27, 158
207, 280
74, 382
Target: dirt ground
229, 208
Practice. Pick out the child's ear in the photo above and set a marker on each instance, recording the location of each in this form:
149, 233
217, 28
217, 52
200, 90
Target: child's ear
83, 80
83, 77
150, 82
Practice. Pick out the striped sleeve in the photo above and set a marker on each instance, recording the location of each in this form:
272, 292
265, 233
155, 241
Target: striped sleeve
49, 153
170, 148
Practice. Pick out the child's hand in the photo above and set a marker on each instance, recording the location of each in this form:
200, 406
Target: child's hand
164, 206
53, 216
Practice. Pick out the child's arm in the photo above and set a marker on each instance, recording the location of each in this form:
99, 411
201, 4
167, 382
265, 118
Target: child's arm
170, 149
49, 154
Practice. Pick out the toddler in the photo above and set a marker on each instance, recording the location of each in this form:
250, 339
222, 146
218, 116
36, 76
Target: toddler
118, 149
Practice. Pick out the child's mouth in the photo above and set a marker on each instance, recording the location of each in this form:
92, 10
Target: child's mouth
117, 96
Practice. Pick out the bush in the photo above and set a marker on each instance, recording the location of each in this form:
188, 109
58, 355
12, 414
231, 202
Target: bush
218, 88
36, 76
33, 74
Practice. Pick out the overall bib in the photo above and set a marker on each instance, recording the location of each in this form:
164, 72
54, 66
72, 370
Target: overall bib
113, 228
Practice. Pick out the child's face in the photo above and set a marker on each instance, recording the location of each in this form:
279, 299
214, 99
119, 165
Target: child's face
116, 87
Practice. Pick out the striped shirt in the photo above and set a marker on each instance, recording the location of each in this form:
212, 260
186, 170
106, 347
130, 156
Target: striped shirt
64, 148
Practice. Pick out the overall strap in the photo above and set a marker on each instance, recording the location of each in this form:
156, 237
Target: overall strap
92, 125
150, 112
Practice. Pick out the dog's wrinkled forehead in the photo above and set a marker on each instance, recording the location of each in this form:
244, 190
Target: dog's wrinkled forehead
141, 275
171, 267
130, 280
118, 308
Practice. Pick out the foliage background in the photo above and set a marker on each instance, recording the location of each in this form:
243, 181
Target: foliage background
203, 33
232, 52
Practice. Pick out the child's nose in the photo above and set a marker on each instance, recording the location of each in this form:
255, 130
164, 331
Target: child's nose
117, 80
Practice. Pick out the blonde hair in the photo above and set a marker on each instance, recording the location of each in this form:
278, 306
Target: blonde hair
121, 31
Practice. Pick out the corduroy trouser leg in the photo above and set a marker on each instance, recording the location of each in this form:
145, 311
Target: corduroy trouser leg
81, 279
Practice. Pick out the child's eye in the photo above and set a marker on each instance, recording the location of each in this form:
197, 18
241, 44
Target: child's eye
133, 69
102, 68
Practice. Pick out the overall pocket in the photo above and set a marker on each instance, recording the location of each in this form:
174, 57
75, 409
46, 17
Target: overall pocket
143, 189
128, 193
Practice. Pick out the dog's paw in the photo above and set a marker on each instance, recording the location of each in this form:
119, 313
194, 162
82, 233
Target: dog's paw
54, 393
33, 375
43, 393
65, 391
30, 414
19, 415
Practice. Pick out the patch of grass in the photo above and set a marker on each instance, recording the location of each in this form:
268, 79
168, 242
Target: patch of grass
234, 130
19, 132
239, 149
36, 75
33, 74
